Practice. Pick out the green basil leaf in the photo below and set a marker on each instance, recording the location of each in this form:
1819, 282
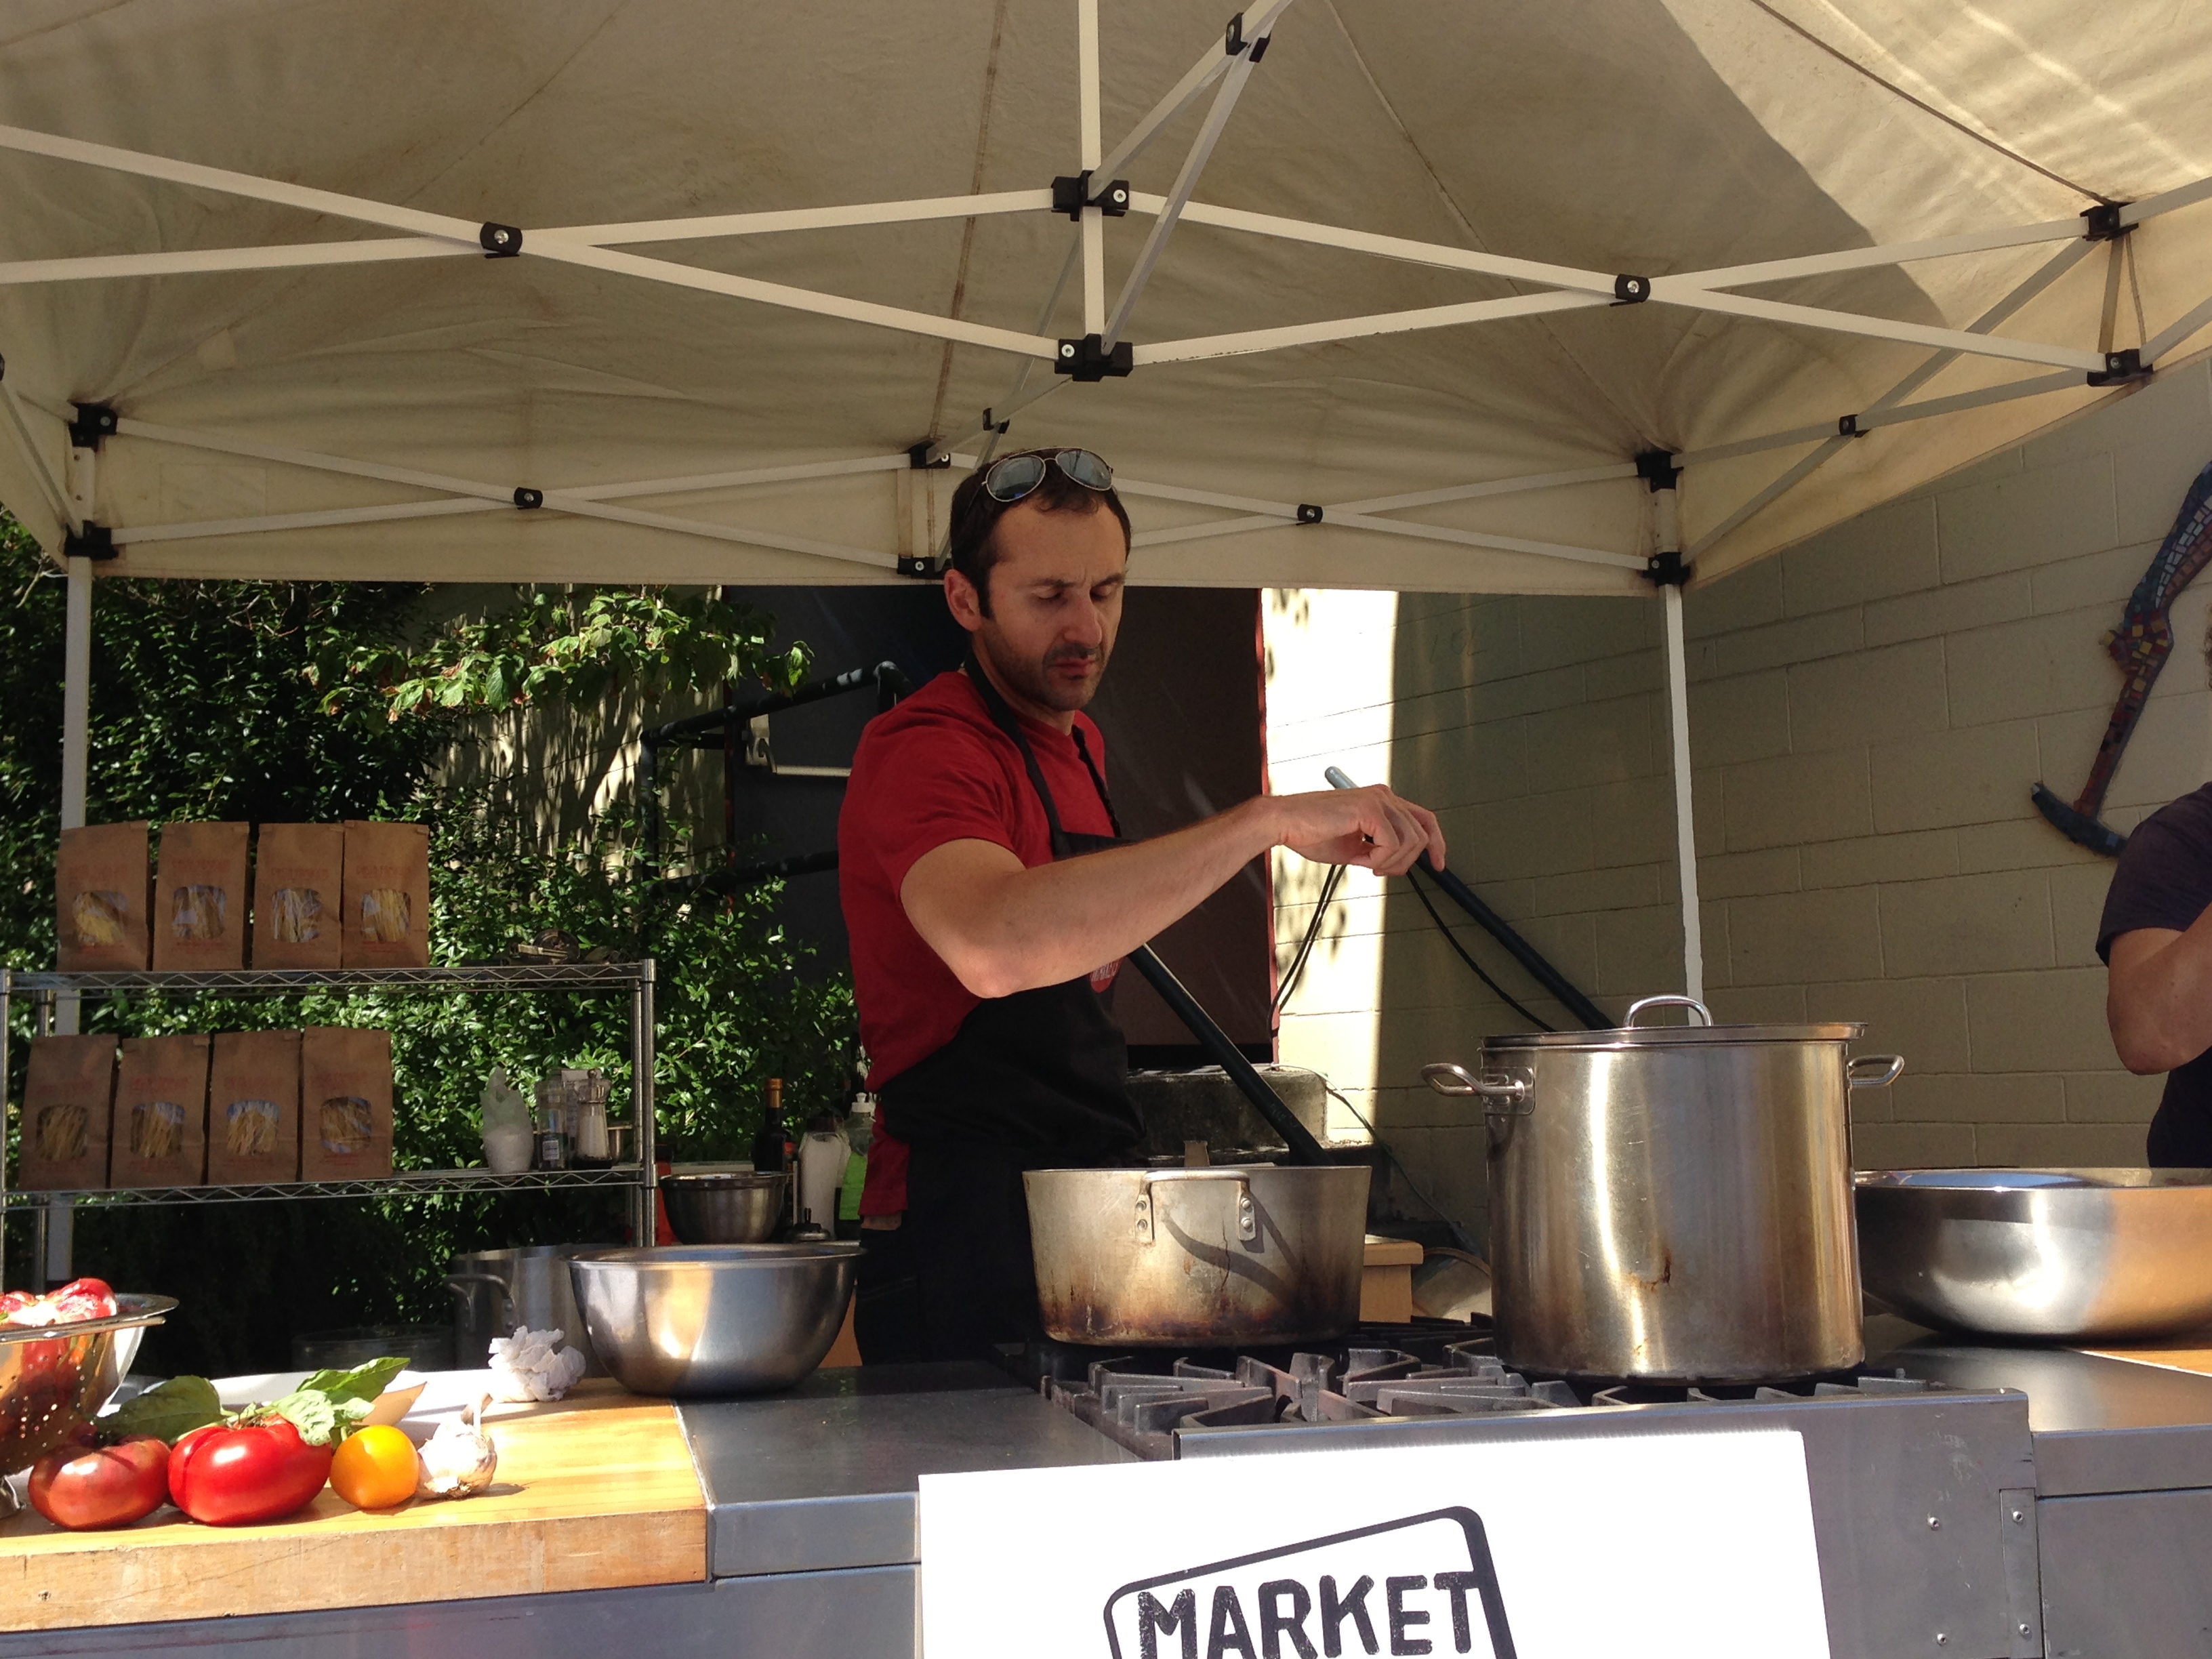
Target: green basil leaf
362, 1383
171, 1409
311, 1412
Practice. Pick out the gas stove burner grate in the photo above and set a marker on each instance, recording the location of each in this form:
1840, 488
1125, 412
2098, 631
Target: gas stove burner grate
1826, 1385
1140, 1406
1432, 1369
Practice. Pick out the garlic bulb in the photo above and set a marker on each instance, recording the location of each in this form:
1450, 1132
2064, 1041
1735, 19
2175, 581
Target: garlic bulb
459, 1459
533, 1366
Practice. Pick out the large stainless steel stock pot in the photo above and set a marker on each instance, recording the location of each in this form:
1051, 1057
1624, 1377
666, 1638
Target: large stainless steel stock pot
1673, 1202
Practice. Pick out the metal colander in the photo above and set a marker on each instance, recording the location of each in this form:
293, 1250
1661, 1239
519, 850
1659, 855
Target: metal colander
55, 1378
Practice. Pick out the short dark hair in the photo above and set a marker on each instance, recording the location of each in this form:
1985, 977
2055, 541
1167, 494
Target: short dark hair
973, 547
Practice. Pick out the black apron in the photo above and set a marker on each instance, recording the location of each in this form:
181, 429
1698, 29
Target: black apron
1036, 1080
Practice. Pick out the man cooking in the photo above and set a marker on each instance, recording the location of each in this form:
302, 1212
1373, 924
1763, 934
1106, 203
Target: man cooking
990, 899
2157, 939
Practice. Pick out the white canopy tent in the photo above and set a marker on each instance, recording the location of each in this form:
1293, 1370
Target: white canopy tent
1487, 297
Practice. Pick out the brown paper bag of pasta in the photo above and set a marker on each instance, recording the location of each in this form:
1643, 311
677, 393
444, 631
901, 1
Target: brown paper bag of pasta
299, 875
387, 895
67, 1099
199, 896
253, 1107
345, 1103
100, 898
160, 1136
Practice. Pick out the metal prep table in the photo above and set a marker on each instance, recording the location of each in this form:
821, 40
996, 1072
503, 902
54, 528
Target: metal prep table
2080, 1510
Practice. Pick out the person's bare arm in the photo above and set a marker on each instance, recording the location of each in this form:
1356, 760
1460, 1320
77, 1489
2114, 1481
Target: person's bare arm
1003, 928
2158, 998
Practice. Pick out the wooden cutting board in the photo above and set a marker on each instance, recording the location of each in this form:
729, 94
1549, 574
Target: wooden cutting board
596, 1492
2190, 1352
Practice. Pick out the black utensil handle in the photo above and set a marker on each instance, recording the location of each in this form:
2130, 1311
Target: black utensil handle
1304, 1149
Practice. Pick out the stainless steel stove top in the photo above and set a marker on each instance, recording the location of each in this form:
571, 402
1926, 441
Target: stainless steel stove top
1146, 1402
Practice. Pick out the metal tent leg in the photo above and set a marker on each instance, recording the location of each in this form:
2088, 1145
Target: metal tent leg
1678, 708
56, 1220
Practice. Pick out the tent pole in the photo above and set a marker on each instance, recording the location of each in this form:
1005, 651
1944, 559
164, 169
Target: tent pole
1089, 143
1360, 328
1201, 151
56, 1221
1678, 709
1253, 22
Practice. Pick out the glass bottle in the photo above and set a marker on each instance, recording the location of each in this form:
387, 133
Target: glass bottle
772, 1145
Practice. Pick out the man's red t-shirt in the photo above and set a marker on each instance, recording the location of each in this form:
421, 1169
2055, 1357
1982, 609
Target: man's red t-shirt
935, 770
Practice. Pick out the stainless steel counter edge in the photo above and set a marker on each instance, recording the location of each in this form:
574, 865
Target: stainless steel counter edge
826, 1475
2100, 1425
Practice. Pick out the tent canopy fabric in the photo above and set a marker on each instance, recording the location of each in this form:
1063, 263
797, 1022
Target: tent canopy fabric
370, 406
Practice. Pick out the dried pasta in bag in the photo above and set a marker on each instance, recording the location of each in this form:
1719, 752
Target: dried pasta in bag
64, 1132
200, 896
387, 895
100, 907
160, 1112
198, 914
253, 1107
345, 1084
299, 875
250, 1128
346, 1130
67, 1096
384, 916
100, 919
157, 1128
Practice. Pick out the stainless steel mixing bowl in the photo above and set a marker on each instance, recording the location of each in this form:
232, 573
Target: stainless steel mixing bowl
734, 1207
710, 1320
55, 1378
2077, 1255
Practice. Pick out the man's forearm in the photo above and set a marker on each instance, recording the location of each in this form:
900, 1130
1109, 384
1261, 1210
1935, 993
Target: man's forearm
1008, 930
2160, 1001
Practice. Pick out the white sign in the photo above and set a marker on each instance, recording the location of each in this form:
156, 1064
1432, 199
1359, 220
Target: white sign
1681, 1544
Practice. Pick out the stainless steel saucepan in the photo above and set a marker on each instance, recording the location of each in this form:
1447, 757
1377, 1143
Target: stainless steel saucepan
1235, 1254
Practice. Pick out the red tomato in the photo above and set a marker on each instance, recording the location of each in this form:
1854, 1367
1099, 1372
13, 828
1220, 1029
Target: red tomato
80, 1298
104, 1486
233, 1477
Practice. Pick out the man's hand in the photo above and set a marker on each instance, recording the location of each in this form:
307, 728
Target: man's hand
1373, 827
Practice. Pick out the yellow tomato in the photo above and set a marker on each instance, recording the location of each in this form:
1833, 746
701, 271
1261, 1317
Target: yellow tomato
376, 1468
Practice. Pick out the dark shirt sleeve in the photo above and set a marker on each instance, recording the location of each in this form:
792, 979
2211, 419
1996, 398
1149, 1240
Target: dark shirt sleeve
2165, 876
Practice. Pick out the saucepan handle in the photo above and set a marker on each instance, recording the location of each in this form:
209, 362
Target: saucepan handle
1874, 1071
1447, 1078
1248, 1218
1704, 1015
462, 1285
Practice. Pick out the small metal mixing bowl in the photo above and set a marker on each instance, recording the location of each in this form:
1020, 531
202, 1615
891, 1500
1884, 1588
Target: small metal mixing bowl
737, 1207
706, 1320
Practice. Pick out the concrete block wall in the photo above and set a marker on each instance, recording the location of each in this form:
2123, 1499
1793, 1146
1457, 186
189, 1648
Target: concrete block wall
1868, 714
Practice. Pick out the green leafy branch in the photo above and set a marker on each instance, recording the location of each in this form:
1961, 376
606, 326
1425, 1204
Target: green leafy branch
575, 645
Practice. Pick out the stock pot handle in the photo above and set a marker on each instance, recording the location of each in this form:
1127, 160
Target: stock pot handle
1447, 1078
461, 1284
1248, 1218
1704, 1015
1892, 1067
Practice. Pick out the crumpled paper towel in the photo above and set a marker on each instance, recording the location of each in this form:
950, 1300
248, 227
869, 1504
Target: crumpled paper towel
533, 1366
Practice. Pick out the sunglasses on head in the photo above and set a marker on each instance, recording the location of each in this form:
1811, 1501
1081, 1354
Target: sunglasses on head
1017, 476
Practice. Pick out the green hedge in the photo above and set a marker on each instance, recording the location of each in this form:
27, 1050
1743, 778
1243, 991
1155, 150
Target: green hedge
210, 702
